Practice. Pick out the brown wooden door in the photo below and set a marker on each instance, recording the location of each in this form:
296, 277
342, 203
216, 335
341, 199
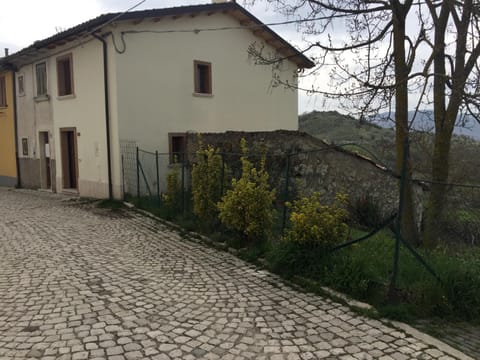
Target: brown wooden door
68, 143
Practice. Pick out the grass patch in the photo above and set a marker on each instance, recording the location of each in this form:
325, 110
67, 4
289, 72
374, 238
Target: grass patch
110, 204
364, 270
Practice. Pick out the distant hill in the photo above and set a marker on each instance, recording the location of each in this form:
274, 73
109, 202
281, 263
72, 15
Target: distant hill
371, 139
378, 143
466, 126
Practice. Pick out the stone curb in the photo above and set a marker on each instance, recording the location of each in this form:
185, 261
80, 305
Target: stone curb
427, 339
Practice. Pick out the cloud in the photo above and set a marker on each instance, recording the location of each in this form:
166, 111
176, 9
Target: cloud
24, 21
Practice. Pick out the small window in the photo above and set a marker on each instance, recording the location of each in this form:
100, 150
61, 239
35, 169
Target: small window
177, 144
41, 75
65, 75
25, 146
203, 77
3, 92
21, 85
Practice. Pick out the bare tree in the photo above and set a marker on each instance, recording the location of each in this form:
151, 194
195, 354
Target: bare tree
390, 54
373, 59
455, 54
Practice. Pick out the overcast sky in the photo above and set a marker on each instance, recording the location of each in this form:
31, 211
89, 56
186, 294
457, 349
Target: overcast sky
24, 21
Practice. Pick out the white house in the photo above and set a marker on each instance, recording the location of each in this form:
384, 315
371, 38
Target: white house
145, 78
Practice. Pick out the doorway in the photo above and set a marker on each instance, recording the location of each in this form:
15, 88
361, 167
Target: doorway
68, 143
45, 167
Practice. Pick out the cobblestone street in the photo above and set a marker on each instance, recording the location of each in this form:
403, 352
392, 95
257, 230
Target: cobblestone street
79, 282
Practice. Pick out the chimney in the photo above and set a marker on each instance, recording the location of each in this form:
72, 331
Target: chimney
6, 52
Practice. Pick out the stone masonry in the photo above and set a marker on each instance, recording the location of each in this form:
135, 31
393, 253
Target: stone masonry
79, 282
314, 166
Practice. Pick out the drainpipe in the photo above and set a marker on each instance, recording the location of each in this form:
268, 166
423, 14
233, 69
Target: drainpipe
15, 124
107, 112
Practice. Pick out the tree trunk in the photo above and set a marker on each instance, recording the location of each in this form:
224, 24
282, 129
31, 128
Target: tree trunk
408, 225
438, 191
445, 116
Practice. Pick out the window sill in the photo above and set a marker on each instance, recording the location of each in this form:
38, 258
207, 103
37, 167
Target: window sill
202, 95
66, 97
41, 98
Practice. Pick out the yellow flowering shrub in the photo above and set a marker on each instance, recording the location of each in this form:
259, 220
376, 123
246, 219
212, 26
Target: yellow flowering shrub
315, 224
248, 206
207, 183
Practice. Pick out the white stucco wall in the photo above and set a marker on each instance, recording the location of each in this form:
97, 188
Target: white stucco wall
33, 115
84, 111
155, 83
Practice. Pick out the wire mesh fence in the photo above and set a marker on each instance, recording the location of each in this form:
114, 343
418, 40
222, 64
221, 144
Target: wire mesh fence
373, 193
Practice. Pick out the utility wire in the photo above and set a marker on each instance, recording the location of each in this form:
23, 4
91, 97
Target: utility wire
117, 16
240, 27
223, 28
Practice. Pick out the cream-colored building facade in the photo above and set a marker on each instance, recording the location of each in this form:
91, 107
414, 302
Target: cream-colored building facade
144, 78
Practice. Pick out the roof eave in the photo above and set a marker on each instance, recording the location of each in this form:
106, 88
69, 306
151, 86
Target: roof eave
97, 23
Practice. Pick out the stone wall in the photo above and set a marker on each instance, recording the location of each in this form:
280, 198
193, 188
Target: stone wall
314, 166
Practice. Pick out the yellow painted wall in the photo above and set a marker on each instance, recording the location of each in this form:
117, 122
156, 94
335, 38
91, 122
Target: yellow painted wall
7, 132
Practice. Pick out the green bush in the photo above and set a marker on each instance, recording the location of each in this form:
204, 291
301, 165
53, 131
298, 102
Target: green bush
290, 258
207, 184
366, 212
462, 225
461, 276
248, 206
314, 224
172, 198
314, 230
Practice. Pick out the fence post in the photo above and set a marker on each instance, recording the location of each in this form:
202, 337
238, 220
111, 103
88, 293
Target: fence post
183, 186
398, 227
285, 195
158, 177
123, 179
138, 176
222, 176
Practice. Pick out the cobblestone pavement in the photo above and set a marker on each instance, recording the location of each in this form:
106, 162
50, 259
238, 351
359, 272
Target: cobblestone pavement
460, 335
77, 282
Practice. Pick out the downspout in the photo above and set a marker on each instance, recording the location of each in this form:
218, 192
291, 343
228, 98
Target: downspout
15, 125
107, 112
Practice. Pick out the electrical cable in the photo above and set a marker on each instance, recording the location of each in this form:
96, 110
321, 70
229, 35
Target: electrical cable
223, 28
